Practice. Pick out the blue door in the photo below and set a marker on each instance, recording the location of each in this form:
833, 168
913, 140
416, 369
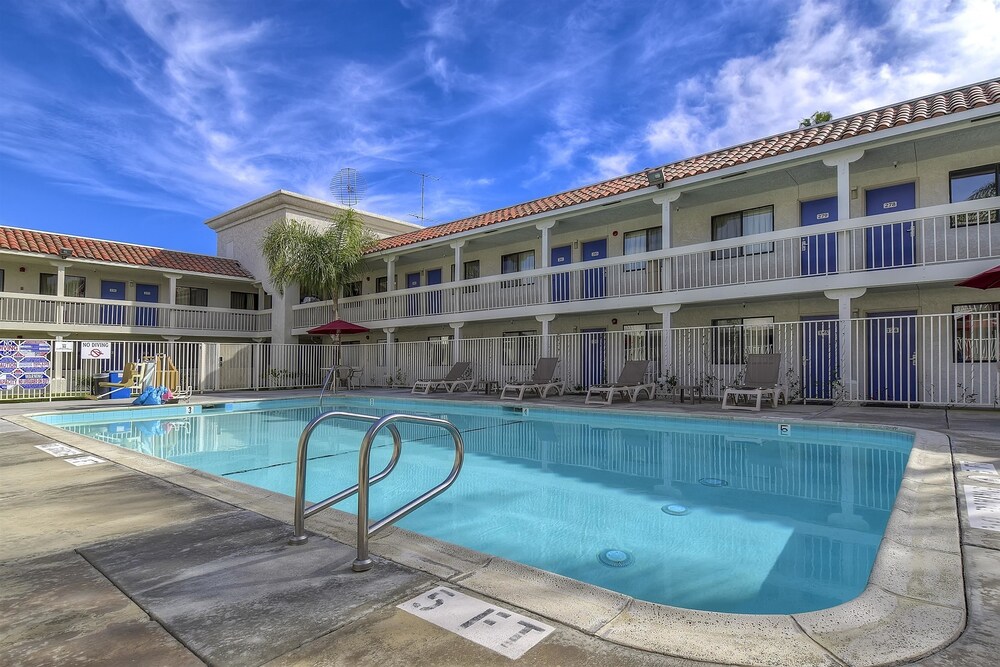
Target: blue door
594, 280
146, 317
413, 301
890, 245
820, 356
892, 361
594, 344
433, 298
112, 290
819, 253
561, 257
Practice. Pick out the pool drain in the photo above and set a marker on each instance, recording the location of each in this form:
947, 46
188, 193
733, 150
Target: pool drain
675, 509
713, 481
615, 558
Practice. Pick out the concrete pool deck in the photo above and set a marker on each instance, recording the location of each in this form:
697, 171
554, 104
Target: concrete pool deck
68, 597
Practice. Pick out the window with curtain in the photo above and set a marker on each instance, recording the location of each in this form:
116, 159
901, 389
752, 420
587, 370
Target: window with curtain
520, 348
971, 184
439, 353
640, 241
642, 341
74, 286
977, 327
243, 300
516, 262
191, 296
381, 284
734, 338
352, 289
743, 223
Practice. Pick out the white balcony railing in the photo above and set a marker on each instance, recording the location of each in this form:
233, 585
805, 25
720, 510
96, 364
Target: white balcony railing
20, 310
923, 237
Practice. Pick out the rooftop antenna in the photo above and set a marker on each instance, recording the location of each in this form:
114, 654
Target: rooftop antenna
348, 186
423, 178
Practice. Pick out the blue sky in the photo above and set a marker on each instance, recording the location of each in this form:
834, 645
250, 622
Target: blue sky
136, 120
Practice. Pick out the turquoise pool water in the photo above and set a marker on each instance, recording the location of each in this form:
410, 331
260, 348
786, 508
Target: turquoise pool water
718, 515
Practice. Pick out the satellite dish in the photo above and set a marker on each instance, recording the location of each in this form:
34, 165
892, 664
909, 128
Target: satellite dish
348, 186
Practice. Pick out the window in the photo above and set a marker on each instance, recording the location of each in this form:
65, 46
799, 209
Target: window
352, 289
75, 286
970, 184
734, 338
243, 300
520, 348
439, 352
743, 223
470, 271
642, 341
1, 280
515, 262
976, 332
381, 284
643, 240
191, 296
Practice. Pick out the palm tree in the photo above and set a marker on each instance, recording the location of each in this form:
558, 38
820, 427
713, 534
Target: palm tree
319, 261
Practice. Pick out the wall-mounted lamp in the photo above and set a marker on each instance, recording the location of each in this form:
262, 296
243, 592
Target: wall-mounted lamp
614, 320
65, 252
655, 177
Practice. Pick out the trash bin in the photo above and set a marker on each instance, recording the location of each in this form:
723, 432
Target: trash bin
122, 392
95, 385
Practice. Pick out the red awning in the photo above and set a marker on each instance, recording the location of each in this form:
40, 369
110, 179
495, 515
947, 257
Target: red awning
338, 327
988, 279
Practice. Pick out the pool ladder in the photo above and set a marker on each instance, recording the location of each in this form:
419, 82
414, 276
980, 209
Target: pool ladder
364, 562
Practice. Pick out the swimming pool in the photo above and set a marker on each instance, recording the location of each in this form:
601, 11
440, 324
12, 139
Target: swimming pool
717, 515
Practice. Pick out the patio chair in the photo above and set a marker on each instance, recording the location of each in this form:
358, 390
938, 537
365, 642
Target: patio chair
460, 375
541, 381
759, 381
630, 382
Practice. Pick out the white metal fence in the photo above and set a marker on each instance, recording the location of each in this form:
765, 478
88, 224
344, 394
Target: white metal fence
896, 358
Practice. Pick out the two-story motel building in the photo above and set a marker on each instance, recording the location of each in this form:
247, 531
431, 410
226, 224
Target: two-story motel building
839, 244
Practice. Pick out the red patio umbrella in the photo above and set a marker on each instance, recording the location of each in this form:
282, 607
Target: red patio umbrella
988, 279
338, 327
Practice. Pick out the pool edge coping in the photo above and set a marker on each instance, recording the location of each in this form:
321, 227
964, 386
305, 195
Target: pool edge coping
914, 603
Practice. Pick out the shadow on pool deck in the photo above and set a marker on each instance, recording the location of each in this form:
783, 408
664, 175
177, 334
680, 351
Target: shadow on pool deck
103, 564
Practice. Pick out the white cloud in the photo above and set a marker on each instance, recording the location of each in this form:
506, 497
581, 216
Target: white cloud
827, 60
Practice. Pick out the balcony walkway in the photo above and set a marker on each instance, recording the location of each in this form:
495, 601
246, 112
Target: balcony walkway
225, 590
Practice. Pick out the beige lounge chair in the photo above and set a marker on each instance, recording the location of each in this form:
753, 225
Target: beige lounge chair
630, 382
460, 375
541, 381
760, 381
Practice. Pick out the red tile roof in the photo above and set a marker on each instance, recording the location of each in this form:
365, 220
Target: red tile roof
113, 252
938, 104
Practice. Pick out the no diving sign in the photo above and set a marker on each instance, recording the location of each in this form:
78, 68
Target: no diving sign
506, 632
95, 350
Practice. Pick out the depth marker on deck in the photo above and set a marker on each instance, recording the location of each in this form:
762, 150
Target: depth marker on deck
85, 460
508, 633
58, 449
983, 503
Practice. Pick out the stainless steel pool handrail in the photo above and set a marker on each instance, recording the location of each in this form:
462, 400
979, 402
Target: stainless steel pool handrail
300, 510
363, 562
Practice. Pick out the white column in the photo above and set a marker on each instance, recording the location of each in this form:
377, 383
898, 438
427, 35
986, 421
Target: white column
60, 291
390, 273
545, 319
457, 245
172, 300
842, 163
456, 342
843, 298
544, 228
390, 351
666, 312
665, 200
